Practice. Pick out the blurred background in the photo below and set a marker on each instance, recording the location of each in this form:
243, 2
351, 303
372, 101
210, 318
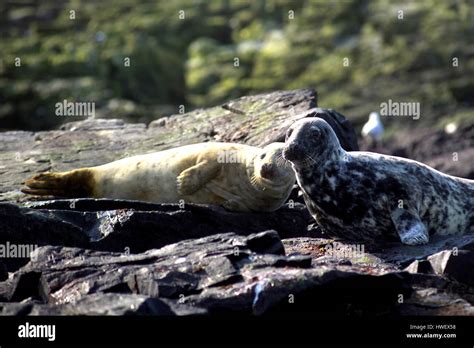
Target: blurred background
202, 53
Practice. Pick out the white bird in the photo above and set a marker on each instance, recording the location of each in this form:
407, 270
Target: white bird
373, 129
451, 128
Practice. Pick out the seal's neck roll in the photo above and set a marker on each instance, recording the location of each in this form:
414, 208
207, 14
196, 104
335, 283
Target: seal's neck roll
312, 144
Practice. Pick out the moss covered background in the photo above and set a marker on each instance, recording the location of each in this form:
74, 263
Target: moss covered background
356, 54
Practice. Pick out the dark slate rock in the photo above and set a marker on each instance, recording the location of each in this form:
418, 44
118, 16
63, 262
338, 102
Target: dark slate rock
220, 271
108, 304
420, 266
16, 308
264, 242
177, 269
216, 274
26, 227
3, 271
404, 255
433, 301
224, 274
133, 227
103, 304
456, 264
171, 285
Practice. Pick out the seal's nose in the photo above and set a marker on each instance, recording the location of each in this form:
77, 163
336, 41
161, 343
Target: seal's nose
292, 152
266, 171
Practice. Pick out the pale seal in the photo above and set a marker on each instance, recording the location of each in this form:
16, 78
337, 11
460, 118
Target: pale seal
238, 177
369, 196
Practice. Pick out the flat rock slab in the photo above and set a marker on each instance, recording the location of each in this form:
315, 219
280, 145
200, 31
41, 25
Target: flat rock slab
132, 226
389, 254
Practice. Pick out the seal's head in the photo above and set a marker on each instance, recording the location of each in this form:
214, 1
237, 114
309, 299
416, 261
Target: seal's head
311, 141
270, 167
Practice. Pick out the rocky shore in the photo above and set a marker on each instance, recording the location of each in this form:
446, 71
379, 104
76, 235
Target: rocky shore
116, 257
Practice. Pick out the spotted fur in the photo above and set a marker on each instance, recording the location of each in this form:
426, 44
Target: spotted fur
365, 196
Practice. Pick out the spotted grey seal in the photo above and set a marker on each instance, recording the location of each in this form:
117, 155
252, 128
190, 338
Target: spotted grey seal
368, 196
238, 177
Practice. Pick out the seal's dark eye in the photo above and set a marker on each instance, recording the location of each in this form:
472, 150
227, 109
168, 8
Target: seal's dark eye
315, 132
288, 133
262, 156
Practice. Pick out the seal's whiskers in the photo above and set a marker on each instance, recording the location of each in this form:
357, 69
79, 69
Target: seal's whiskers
280, 161
308, 160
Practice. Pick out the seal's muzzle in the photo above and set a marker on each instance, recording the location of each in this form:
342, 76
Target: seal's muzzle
293, 152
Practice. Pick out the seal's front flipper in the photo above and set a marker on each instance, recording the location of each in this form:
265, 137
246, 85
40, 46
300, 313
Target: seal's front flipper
195, 177
410, 228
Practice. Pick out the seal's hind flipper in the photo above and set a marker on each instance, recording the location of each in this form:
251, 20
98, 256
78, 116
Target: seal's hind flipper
75, 183
410, 228
195, 177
